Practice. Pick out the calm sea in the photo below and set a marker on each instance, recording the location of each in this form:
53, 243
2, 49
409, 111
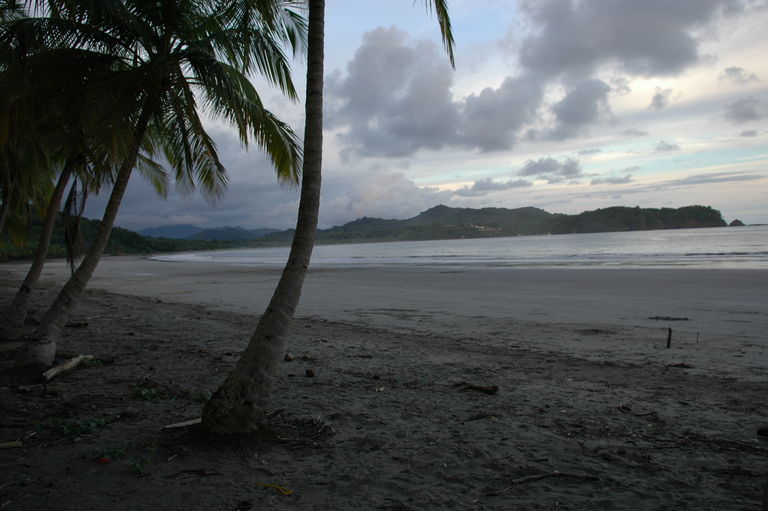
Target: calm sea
726, 247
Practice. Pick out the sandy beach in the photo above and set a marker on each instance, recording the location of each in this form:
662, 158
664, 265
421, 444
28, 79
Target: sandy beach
591, 411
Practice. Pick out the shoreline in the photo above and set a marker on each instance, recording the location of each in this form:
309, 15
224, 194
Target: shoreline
723, 330
389, 417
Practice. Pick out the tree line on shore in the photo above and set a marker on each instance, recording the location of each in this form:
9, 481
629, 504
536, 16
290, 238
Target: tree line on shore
440, 222
92, 90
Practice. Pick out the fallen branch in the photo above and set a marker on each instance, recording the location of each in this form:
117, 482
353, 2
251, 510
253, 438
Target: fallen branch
185, 424
66, 366
538, 477
485, 389
9, 445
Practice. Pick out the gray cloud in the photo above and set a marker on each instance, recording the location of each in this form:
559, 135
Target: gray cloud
262, 202
661, 99
675, 184
647, 38
738, 75
620, 85
552, 170
376, 193
395, 99
634, 132
276, 207
749, 133
702, 179
490, 119
612, 180
587, 152
746, 109
581, 107
256, 199
616, 180
486, 186
663, 147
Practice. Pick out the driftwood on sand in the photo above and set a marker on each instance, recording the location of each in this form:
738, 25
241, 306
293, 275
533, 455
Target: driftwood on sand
66, 366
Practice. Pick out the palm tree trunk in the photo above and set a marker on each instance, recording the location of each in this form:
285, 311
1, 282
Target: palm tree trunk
17, 311
41, 350
239, 405
6, 206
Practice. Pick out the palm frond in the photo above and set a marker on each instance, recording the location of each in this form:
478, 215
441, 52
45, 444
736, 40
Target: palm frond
229, 95
444, 20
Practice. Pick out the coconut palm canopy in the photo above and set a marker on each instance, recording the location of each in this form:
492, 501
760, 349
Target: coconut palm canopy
110, 57
132, 76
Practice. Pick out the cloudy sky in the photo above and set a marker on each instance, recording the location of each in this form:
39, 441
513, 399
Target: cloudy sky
566, 105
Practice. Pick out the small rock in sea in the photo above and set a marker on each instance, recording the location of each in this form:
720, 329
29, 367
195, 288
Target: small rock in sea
310, 373
762, 431
288, 357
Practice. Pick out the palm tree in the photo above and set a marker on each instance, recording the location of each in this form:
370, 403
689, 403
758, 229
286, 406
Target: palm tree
44, 99
239, 404
168, 56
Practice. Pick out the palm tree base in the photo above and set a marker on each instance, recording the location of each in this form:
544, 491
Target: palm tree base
37, 353
234, 409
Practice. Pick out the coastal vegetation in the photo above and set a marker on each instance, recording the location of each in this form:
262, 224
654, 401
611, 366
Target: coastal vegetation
440, 222
127, 79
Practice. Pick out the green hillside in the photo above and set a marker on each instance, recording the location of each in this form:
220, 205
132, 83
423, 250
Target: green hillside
439, 222
121, 242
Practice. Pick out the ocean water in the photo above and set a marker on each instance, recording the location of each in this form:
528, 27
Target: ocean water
722, 247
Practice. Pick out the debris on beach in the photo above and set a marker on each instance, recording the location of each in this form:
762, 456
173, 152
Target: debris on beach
485, 389
66, 366
683, 365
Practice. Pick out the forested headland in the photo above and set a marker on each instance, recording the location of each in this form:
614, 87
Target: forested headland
439, 222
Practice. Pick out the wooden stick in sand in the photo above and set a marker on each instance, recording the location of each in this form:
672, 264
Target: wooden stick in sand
66, 366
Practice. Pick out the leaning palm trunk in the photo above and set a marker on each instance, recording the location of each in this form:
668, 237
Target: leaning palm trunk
41, 350
238, 406
16, 313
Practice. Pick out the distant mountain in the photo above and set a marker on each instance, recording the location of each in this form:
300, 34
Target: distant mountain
230, 233
260, 233
440, 222
621, 218
176, 232
443, 222
193, 232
